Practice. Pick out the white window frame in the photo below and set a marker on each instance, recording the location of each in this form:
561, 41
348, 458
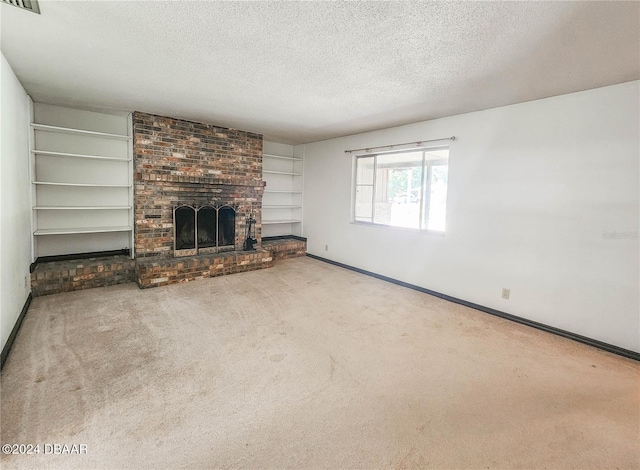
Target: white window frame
425, 171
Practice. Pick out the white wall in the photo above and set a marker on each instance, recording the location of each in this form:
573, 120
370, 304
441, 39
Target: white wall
535, 189
15, 204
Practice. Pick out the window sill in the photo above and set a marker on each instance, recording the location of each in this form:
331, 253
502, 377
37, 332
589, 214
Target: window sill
403, 229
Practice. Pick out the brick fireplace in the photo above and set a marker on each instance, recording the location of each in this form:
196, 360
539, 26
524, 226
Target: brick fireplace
210, 174
192, 180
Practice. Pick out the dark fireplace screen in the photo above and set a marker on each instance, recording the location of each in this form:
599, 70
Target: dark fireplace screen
206, 229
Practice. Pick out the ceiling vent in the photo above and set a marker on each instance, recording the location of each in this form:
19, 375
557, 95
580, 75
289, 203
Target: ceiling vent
29, 5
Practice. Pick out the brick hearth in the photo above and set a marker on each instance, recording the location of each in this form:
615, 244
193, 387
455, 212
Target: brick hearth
285, 248
153, 272
54, 277
64, 276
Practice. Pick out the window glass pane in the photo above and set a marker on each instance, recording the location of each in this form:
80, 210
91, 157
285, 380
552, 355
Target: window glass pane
404, 183
434, 217
398, 185
364, 208
364, 170
436, 154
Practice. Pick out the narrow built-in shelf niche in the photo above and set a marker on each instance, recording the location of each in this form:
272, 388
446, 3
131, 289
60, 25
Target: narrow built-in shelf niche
282, 200
82, 181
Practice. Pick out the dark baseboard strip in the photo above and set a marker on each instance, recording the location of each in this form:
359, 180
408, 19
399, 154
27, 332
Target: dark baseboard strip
75, 256
284, 237
540, 326
14, 332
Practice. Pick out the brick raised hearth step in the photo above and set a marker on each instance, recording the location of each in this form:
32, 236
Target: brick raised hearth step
153, 272
63, 276
284, 248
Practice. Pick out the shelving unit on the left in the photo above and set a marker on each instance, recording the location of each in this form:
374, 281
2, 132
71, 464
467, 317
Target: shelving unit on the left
81, 171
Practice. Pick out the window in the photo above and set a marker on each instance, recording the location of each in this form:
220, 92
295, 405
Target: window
403, 189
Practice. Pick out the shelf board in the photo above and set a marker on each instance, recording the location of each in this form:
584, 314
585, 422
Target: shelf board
281, 173
270, 222
77, 155
83, 185
68, 130
73, 208
282, 157
281, 207
71, 231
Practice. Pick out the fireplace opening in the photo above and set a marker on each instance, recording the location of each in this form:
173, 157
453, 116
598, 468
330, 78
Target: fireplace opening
185, 235
207, 229
226, 226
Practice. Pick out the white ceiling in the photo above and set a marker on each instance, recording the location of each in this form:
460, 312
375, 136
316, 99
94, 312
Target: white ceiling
299, 72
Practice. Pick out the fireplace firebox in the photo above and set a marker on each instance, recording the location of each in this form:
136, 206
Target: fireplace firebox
204, 229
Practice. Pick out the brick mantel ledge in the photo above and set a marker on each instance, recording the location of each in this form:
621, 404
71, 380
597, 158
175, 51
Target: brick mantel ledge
199, 180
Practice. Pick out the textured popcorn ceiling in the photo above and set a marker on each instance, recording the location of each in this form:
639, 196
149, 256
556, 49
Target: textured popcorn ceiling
300, 72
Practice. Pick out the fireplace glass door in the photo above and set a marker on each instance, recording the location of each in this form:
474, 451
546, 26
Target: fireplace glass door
207, 229
185, 222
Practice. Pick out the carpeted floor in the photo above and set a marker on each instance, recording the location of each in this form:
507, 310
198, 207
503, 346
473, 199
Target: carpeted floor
307, 365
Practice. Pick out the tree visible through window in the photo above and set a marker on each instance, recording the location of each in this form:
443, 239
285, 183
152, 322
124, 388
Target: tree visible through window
403, 189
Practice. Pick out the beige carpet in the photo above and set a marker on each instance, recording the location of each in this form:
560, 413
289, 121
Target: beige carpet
307, 365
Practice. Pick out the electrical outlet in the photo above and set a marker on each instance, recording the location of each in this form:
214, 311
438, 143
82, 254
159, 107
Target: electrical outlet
505, 293
326, 248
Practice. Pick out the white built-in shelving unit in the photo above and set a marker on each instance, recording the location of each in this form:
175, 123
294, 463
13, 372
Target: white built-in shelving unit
282, 200
81, 172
